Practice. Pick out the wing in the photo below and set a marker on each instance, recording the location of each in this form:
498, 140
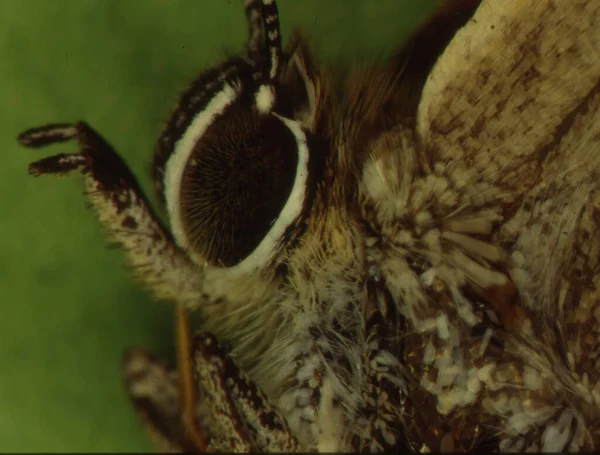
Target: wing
484, 230
514, 88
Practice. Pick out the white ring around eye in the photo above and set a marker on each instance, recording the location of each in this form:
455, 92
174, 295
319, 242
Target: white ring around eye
183, 148
177, 162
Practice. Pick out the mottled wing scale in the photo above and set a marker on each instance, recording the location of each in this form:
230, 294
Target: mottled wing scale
497, 195
410, 66
514, 103
515, 80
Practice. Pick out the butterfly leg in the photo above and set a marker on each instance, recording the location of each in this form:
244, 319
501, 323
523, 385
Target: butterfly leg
121, 207
242, 419
154, 391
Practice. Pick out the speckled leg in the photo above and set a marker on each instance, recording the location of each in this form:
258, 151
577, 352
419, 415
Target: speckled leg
242, 418
121, 207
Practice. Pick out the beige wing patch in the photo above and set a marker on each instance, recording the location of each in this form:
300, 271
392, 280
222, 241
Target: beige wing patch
512, 85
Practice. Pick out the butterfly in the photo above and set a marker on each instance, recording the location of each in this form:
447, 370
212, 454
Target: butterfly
396, 257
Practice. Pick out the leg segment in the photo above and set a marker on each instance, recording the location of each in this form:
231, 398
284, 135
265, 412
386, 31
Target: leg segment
242, 418
121, 208
154, 392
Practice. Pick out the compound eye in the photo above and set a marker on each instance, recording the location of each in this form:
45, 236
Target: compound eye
242, 188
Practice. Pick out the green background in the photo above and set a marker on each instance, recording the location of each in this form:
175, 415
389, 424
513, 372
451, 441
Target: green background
68, 307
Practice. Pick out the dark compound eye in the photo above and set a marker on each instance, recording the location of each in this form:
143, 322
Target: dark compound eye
237, 182
232, 165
